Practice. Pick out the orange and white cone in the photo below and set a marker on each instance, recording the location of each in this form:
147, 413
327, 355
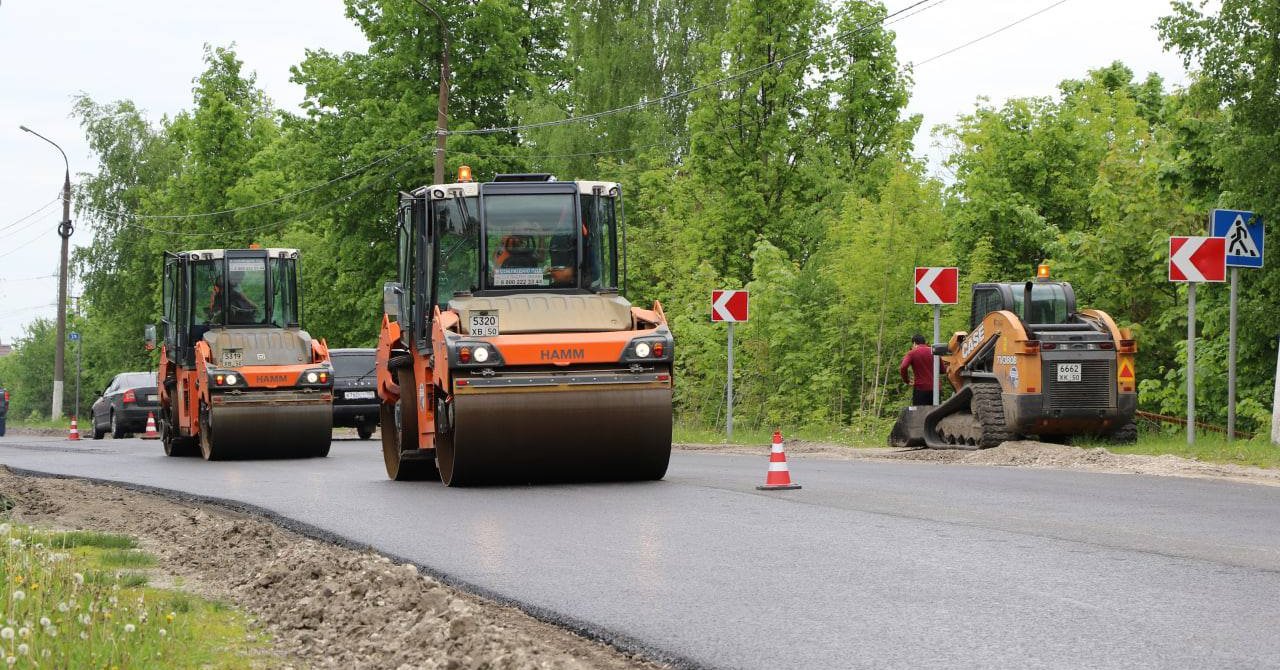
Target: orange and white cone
779, 477
151, 433
75, 432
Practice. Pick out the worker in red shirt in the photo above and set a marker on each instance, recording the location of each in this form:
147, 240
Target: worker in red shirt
920, 361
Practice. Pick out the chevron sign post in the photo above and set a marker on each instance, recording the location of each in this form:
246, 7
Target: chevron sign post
937, 287
730, 307
1193, 260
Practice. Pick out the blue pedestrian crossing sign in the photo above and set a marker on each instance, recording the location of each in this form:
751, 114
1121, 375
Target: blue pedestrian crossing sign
1243, 231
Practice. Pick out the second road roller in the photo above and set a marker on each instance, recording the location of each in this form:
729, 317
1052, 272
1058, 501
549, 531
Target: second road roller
507, 352
239, 377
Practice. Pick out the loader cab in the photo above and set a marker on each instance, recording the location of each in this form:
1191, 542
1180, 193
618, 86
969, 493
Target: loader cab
1051, 302
217, 289
519, 234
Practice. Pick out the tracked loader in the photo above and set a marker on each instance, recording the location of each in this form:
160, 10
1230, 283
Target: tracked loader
238, 376
1031, 365
507, 353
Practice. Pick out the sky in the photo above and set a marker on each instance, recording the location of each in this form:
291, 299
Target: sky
150, 50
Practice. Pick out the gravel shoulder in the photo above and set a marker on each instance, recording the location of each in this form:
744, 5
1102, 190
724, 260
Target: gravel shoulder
325, 606
1022, 453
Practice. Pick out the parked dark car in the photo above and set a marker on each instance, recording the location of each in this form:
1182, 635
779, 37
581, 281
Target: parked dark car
355, 402
4, 408
124, 405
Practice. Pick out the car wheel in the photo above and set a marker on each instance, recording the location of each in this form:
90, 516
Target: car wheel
95, 431
117, 432
364, 430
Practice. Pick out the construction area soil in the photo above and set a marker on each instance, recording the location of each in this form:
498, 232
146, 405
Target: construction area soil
324, 606
1022, 453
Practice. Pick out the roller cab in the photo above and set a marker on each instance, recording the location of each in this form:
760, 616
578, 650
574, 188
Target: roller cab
239, 377
508, 353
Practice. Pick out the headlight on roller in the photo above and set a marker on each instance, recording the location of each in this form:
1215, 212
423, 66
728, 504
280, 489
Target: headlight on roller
648, 349
232, 379
312, 377
642, 349
481, 354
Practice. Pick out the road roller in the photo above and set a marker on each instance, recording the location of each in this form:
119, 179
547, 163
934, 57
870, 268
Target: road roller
238, 376
508, 352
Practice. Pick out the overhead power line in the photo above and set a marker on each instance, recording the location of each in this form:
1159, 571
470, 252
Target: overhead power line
993, 33
42, 208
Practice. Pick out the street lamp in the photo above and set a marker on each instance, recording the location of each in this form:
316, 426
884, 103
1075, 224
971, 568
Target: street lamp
442, 109
64, 231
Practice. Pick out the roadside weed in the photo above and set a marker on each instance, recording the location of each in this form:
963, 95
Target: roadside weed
64, 607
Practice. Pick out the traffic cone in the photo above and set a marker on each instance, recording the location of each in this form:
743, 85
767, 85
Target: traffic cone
151, 433
75, 432
779, 477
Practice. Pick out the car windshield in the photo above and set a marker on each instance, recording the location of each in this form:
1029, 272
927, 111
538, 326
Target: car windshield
531, 240
353, 365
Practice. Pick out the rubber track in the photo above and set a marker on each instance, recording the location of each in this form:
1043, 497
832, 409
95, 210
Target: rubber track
988, 407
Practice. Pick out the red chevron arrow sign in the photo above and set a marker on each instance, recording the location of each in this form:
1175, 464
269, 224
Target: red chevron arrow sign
1197, 259
729, 306
937, 286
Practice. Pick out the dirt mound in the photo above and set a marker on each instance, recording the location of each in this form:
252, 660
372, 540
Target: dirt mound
326, 606
1022, 453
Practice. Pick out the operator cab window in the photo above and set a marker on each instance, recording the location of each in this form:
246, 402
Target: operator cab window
1048, 304
532, 241
458, 238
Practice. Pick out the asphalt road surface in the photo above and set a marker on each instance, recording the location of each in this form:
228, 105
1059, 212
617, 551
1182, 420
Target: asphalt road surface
869, 565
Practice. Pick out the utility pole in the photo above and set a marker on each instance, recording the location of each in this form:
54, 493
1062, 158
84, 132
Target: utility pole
442, 109
64, 231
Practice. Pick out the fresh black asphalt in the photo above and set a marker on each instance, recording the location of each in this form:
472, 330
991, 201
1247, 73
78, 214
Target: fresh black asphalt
871, 564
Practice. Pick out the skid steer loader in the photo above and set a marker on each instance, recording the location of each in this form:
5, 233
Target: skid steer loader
507, 353
238, 376
1030, 365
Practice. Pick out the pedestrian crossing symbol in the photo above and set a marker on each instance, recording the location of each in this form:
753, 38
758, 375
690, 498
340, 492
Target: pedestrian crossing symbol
1243, 234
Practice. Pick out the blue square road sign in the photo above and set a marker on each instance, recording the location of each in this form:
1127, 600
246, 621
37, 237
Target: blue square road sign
1243, 231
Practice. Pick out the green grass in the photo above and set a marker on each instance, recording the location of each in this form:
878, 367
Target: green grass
864, 436
125, 558
86, 538
1211, 448
65, 608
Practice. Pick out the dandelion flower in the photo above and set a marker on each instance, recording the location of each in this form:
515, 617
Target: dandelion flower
171, 616
18, 579
6, 633
163, 632
18, 596
78, 577
23, 649
12, 661
45, 622
84, 635
85, 619
14, 542
64, 608
24, 632
129, 628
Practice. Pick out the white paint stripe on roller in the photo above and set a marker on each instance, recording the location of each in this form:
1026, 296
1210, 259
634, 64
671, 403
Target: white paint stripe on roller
778, 467
1182, 259
925, 286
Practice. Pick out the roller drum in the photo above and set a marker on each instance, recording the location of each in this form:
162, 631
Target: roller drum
580, 434
246, 431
